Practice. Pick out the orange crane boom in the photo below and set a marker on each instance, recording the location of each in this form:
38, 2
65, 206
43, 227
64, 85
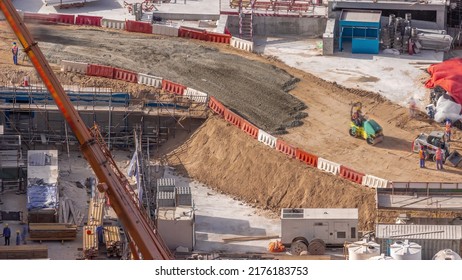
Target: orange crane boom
146, 241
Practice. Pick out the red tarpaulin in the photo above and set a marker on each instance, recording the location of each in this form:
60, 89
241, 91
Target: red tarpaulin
447, 75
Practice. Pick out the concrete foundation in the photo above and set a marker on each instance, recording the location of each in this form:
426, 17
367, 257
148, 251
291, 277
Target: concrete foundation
273, 26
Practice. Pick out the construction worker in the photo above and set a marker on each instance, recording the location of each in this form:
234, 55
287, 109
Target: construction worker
15, 52
7, 234
439, 158
412, 107
422, 157
25, 229
99, 231
447, 130
18, 238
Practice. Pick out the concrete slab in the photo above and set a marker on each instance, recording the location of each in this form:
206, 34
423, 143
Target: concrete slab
394, 77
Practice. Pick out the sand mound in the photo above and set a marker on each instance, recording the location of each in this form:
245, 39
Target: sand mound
222, 156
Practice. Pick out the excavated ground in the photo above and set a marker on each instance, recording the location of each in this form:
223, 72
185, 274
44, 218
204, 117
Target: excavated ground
255, 86
254, 89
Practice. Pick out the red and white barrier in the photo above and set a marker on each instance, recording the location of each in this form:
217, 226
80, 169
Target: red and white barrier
267, 139
328, 166
62, 18
241, 44
114, 24
232, 118
285, 148
306, 157
250, 129
88, 20
172, 87
124, 75
166, 30
149, 80
198, 96
72, 66
100, 71
216, 106
138, 26
351, 174
374, 182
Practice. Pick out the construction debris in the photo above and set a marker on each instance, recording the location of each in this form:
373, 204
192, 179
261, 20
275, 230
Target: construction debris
52, 231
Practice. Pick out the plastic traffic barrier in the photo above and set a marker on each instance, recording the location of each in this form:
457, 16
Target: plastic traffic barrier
88, 20
328, 166
124, 75
374, 182
232, 118
100, 71
138, 26
306, 157
267, 138
285, 148
172, 87
351, 175
216, 106
250, 129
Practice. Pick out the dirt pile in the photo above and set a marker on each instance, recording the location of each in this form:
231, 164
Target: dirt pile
256, 90
222, 156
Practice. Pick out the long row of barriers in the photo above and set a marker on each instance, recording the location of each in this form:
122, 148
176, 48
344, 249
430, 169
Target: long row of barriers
141, 27
217, 107
230, 116
132, 77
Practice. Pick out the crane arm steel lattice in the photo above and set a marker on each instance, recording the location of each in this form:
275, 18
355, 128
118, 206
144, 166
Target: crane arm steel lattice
140, 228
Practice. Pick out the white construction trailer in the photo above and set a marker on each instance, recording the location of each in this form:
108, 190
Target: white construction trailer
310, 230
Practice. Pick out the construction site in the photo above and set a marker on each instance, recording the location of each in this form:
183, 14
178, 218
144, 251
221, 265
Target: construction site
232, 129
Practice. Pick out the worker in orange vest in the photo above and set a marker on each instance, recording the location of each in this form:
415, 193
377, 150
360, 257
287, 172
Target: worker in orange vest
439, 158
422, 157
448, 130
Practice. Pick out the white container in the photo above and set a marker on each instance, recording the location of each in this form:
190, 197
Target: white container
447, 255
363, 250
382, 257
405, 250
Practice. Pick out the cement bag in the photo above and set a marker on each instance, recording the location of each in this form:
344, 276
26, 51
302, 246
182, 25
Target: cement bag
447, 109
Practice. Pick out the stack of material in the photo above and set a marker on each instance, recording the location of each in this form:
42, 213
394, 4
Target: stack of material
90, 242
166, 185
387, 40
24, 252
113, 241
46, 231
68, 213
95, 212
41, 195
183, 196
437, 42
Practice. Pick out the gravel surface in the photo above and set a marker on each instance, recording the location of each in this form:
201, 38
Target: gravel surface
256, 90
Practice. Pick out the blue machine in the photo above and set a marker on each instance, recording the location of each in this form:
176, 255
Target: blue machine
362, 29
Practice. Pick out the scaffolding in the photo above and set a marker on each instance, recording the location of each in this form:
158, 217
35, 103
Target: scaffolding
31, 112
12, 168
